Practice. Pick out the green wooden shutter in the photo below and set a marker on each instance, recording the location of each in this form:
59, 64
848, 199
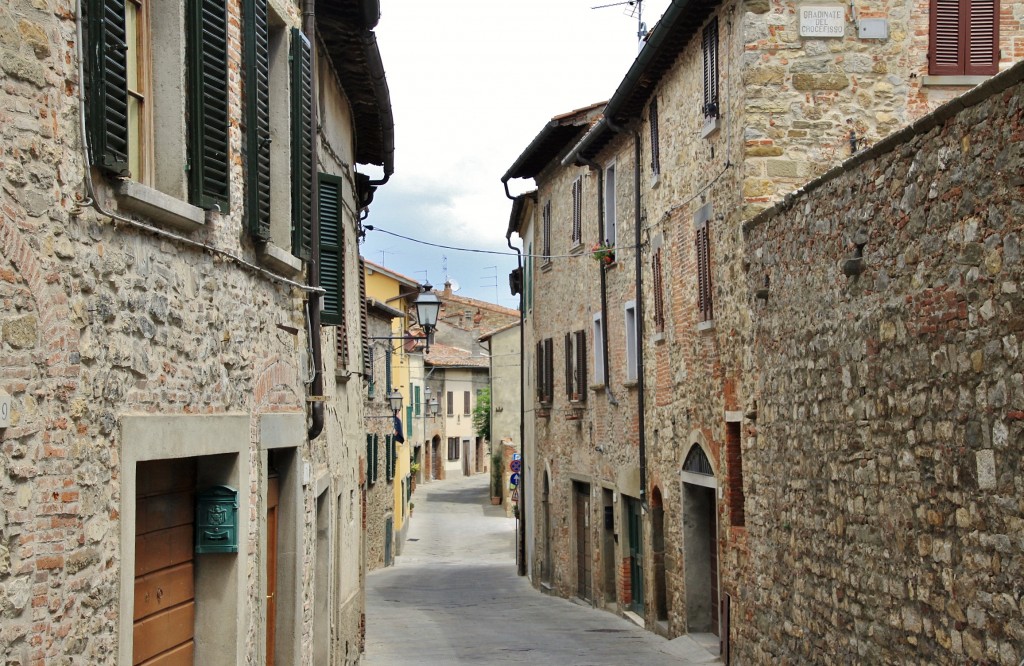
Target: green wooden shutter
107, 85
257, 119
302, 145
207, 66
376, 457
408, 421
369, 459
388, 471
332, 250
416, 399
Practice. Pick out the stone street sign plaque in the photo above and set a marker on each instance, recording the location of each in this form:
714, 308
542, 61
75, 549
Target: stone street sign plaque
822, 20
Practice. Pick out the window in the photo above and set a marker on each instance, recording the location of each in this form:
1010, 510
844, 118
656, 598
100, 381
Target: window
529, 278
453, 448
390, 457
577, 211
466, 411
652, 119
659, 295
134, 119
451, 404
372, 457
703, 251
576, 366
609, 205
598, 349
963, 37
710, 51
631, 342
416, 398
364, 334
546, 231
387, 370
371, 385
545, 371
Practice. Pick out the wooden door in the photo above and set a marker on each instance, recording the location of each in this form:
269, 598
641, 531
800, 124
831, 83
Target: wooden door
583, 552
273, 493
636, 555
164, 617
713, 529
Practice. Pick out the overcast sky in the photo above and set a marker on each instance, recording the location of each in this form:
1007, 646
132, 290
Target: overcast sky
472, 83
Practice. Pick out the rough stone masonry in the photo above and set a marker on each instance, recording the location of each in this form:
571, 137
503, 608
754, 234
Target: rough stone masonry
886, 478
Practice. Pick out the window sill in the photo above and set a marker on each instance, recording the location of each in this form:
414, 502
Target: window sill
708, 325
658, 338
631, 383
576, 249
952, 80
711, 125
547, 265
161, 207
597, 387
655, 180
280, 260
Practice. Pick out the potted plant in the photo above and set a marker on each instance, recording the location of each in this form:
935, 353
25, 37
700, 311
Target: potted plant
414, 471
496, 478
603, 252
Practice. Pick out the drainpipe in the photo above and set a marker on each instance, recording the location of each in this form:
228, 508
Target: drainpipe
521, 551
316, 425
640, 402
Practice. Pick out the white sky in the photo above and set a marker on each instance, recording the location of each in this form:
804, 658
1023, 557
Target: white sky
472, 83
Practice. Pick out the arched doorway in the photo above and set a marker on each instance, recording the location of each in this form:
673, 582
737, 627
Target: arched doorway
658, 556
700, 542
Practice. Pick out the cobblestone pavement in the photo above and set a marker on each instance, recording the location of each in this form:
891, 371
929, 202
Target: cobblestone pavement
453, 597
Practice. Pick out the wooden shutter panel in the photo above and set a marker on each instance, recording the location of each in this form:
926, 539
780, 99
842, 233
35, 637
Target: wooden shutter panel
364, 334
547, 232
302, 144
369, 459
652, 118
208, 105
540, 371
332, 249
710, 49
945, 52
549, 368
376, 457
568, 366
107, 85
257, 119
581, 364
388, 458
982, 37
659, 292
704, 273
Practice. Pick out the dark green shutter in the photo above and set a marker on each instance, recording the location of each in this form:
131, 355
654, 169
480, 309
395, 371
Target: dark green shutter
107, 85
208, 104
416, 399
257, 119
302, 145
369, 459
376, 456
332, 250
408, 421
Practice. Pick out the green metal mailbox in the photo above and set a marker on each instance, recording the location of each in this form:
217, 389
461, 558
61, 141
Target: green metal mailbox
217, 520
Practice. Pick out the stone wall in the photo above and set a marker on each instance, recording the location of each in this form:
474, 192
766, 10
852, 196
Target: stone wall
885, 478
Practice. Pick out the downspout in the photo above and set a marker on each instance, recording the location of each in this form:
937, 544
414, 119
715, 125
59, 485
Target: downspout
521, 550
383, 97
316, 390
640, 401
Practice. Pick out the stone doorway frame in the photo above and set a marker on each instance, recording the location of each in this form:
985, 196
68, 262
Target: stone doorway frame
706, 483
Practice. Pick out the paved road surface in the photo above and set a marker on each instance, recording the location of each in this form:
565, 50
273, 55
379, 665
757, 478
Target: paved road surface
453, 597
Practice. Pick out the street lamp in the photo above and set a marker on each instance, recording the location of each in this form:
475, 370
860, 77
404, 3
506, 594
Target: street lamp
428, 306
395, 398
434, 407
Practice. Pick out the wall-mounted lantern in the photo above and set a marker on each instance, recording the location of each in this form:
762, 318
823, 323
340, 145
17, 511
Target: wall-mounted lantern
217, 520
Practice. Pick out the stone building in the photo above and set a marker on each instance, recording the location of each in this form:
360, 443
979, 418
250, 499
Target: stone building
456, 376
635, 281
183, 454
883, 468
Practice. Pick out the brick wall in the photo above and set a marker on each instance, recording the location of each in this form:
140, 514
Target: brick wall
883, 511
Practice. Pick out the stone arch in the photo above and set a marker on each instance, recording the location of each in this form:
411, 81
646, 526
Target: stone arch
276, 373
658, 555
699, 511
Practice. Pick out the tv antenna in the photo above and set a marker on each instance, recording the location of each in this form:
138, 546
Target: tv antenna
632, 9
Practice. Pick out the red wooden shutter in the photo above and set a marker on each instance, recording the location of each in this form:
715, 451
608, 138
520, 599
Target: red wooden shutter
982, 37
568, 367
540, 371
659, 298
581, 364
944, 50
704, 273
549, 368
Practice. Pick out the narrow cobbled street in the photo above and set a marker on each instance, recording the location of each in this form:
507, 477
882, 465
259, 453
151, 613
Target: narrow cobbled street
453, 597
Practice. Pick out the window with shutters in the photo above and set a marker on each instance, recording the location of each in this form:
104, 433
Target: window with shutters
364, 334
162, 134
451, 403
709, 48
332, 250
546, 234
545, 371
598, 349
652, 120
659, 292
466, 400
372, 457
631, 341
453, 448
371, 379
577, 211
576, 366
608, 228
963, 37
702, 248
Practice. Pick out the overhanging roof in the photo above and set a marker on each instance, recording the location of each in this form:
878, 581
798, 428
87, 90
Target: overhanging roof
678, 25
344, 29
560, 133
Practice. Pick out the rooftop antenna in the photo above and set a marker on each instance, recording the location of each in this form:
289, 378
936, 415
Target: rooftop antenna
491, 280
632, 9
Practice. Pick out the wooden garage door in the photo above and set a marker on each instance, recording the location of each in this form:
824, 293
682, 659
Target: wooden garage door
164, 582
